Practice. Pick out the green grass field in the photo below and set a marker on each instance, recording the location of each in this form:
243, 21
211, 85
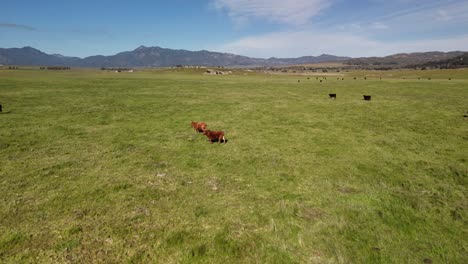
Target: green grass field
103, 167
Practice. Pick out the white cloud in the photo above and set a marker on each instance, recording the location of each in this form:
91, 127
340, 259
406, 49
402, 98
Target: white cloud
302, 43
360, 27
378, 25
435, 16
298, 43
429, 27
440, 44
292, 12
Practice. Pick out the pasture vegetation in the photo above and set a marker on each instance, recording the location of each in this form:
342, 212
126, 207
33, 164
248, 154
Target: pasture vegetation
99, 166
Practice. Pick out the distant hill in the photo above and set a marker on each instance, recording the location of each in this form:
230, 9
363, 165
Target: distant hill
453, 63
403, 59
150, 57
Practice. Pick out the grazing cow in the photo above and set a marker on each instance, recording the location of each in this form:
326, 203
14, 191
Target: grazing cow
199, 126
0, 108
332, 96
367, 97
215, 136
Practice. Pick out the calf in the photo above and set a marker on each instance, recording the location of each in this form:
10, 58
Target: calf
214, 136
199, 126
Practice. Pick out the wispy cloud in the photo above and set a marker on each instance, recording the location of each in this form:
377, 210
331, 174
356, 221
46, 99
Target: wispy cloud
378, 25
17, 26
300, 43
361, 27
401, 30
434, 16
291, 12
410, 20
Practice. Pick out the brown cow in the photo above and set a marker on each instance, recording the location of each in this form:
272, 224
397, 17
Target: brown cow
214, 136
199, 126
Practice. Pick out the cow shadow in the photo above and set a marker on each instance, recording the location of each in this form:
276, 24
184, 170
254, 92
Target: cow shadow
215, 140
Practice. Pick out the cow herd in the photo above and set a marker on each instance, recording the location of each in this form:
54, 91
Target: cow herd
213, 136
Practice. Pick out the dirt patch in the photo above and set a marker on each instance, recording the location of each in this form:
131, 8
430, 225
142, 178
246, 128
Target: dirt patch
311, 213
213, 184
80, 214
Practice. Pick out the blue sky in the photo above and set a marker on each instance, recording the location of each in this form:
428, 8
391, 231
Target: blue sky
256, 28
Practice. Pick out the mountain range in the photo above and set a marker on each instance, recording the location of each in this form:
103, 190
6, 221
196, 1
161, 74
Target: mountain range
164, 57
150, 57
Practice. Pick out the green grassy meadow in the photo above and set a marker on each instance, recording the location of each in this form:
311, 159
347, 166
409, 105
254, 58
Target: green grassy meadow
103, 167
